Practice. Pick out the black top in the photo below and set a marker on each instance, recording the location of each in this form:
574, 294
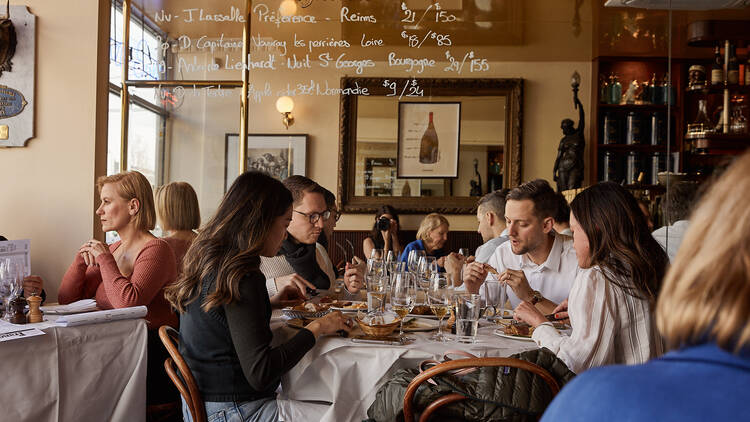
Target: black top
228, 348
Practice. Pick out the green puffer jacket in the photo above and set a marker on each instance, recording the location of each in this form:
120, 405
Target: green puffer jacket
495, 393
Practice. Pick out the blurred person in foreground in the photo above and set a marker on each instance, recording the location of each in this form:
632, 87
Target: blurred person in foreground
612, 298
703, 313
179, 216
225, 310
130, 272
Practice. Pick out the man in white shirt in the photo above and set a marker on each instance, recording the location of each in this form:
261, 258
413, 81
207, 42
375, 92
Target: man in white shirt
676, 207
491, 219
536, 263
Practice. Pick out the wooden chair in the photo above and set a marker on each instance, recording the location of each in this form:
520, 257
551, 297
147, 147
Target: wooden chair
466, 363
188, 389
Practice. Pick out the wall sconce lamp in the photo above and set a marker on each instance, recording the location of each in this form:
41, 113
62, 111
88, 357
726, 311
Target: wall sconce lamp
285, 105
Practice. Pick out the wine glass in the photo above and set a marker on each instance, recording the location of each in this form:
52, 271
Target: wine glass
440, 298
413, 259
375, 292
403, 297
377, 254
464, 252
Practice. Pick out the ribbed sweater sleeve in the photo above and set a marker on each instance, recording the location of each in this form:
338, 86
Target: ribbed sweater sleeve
154, 267
248, 320
77, 283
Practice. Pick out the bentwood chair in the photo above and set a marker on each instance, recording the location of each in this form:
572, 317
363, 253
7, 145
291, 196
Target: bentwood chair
466, 363
174, 364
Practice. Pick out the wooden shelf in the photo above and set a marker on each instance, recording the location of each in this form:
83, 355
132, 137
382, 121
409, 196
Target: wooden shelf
719, 89
637, 148
646, 108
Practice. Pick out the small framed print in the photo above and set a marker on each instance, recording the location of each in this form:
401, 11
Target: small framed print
428, 138
278, 155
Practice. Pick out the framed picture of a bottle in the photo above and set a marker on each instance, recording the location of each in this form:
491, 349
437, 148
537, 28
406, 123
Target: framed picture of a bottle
428, 137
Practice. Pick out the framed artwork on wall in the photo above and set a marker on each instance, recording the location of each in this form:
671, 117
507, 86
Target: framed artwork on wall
428, 138
278, 155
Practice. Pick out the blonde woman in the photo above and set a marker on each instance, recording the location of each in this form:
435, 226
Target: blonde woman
431, 238
179, 216
703, 313
130, 272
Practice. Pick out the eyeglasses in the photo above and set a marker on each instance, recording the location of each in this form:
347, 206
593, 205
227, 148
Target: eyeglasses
337, 215
314, 217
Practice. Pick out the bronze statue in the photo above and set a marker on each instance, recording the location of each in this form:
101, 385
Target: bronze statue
7, 41
568, 172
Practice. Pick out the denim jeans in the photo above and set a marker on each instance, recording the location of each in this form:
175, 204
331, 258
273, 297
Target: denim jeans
262, 410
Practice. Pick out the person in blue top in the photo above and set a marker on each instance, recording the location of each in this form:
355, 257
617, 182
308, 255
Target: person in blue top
431, 238
703, 312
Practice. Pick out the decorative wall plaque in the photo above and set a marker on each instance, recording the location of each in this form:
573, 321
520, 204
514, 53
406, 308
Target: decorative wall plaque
17, 83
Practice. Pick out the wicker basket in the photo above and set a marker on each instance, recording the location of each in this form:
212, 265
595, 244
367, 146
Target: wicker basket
380, 330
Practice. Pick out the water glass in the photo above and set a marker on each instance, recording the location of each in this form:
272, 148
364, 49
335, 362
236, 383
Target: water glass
375, 292
494, 296
377, 254
468, 307
413, 259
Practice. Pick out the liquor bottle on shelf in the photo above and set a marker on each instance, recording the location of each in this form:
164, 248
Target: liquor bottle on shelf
733, 67
633, 133
658, 164
603, 90
611, 129
633, 168
747, 72
658, 129
615, 90
656, 93
428, 149
646, 92
717, 68
667, 92
610, 171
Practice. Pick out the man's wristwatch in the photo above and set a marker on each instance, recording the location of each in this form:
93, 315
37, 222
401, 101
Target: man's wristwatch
536, 297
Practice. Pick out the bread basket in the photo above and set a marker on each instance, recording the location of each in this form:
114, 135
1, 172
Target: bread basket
377, 329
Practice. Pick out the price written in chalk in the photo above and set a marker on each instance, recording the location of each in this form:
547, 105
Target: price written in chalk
475, 64
410, 89
415, 41
441, 16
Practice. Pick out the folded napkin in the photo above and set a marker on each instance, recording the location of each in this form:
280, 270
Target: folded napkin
83, 305
101, 316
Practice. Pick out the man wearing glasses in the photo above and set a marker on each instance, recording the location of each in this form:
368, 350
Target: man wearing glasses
297, 262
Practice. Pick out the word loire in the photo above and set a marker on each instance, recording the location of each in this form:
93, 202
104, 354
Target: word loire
411, 88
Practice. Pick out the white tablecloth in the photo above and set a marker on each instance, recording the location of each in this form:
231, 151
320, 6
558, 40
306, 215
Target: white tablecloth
343, 377
87, 373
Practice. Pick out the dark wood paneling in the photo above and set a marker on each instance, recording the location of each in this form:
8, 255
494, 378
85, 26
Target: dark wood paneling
456, 239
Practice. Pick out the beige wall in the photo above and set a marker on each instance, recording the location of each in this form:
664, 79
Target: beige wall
47, 187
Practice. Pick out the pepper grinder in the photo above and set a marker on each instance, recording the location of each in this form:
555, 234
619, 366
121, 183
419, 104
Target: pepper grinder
35, 314
17, 304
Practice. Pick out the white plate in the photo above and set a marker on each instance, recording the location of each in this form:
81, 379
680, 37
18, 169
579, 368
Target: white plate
499, 332
335, 308
421, 324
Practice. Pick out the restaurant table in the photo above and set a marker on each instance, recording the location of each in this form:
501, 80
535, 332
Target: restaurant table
91, 372
338, 379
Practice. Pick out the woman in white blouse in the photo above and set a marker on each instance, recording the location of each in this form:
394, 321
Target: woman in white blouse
611, 302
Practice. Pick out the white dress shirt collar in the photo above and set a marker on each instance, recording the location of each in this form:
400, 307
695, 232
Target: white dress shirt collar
553, 259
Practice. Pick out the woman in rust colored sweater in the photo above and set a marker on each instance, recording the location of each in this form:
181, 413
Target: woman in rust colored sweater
130, 272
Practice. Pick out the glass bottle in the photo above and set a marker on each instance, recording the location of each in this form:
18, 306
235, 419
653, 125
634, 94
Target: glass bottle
733, 67
611, 129
615, 91
633, 135
717, 68
702, 123
428, 149
603, 90
656, 95
658, 132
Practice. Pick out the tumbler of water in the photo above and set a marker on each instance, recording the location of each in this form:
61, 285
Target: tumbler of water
467, 317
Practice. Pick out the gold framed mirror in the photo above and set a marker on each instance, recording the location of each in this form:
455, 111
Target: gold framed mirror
375, 133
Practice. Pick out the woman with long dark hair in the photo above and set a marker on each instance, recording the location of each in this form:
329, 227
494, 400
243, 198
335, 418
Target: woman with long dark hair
384, 234
611, 302
225, 310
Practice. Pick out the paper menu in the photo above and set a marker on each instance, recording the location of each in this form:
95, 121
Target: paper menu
83, 305
17, 249
101, 316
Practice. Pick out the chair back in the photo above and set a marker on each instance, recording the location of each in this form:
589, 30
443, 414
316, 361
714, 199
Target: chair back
466, 363
174, 364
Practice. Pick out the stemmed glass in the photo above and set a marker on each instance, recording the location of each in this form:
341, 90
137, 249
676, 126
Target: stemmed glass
375, 292
377, 254
11, 282
440, 299
464, 252
403, 297
426, 267
413, 259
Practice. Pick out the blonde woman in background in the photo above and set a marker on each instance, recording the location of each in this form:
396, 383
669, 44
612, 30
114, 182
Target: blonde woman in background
431, 238
179, 216
703, 312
